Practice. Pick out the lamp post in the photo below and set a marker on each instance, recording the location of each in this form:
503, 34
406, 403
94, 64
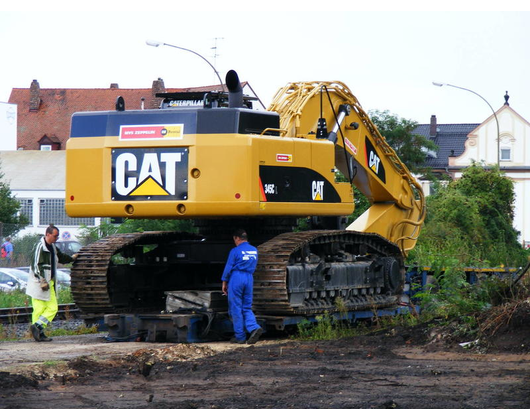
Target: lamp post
152, 43
494, 114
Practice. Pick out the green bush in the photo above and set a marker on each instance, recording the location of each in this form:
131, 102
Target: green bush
471, 220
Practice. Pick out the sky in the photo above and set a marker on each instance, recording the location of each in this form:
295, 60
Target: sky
387, 58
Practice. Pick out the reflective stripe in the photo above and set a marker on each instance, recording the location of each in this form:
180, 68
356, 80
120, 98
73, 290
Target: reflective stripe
36, 256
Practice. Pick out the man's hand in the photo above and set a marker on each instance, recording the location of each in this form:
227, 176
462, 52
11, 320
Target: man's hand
224, 288
44, 285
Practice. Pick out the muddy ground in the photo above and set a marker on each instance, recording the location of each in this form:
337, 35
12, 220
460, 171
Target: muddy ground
401, 368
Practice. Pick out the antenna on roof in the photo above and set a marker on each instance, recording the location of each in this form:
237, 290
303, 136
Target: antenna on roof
215, 55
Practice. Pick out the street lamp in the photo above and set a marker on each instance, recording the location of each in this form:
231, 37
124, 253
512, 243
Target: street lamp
494, 114
152, 43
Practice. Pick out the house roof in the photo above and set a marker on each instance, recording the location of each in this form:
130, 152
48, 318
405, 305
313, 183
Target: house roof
450, 139
34, 169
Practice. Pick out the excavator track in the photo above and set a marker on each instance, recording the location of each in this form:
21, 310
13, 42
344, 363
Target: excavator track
279, 258
90, 272
271, 279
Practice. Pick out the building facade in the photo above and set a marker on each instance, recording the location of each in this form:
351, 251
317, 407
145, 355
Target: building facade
8, 126
37, 180
462, 144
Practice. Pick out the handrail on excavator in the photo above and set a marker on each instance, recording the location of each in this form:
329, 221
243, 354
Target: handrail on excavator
290, 101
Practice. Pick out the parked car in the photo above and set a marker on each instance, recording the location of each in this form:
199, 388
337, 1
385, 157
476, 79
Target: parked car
63, 276
12, 279
68, 247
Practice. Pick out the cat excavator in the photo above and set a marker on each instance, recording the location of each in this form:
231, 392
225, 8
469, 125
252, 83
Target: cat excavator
212, 158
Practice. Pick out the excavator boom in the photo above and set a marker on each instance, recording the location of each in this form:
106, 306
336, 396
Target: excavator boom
361, 154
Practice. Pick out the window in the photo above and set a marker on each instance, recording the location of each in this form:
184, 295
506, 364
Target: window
506, 153
52, 212
46, 147
26, 208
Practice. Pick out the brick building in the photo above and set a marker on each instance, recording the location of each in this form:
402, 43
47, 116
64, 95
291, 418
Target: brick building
44, 115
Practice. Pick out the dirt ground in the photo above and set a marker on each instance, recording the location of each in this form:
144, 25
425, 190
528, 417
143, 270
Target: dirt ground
402, 368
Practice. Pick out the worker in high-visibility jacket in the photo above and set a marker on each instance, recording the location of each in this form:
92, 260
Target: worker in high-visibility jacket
42, 282
238, 284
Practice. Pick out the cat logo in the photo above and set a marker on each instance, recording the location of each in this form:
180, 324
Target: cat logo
373, 161
149, 174
317, 190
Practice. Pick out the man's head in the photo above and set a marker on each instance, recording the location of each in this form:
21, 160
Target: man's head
240, 236
52, 234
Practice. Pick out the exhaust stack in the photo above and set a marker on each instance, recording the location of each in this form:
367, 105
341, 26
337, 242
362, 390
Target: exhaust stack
235, 92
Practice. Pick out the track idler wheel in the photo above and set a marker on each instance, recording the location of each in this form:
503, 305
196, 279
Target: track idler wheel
392, 275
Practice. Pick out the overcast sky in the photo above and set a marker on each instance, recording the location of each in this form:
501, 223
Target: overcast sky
387, 58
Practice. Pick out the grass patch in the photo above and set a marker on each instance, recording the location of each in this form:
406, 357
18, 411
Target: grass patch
17, 298
328, 327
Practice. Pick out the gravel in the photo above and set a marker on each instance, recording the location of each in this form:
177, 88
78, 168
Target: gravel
22, 330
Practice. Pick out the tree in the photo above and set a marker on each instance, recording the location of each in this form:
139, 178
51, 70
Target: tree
471, 220
10, 219
411, 149
495, 199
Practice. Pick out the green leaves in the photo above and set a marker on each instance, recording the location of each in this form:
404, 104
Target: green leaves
471, 219
411, 149
12, 222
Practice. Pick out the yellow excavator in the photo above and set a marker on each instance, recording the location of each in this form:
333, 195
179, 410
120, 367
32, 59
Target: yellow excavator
212, 158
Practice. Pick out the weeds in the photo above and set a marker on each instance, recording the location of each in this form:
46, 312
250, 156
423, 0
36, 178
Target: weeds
53, 332
19, 298
450, 299
327, 326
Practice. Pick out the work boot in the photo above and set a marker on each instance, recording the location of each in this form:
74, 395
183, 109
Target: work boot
254, 336
44, 337
35, 332
236, 341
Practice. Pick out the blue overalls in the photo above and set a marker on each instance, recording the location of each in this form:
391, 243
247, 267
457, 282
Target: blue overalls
238, 271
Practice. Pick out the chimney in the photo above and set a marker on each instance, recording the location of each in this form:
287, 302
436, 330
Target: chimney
158, 87
434, 127
114, 86
34, 96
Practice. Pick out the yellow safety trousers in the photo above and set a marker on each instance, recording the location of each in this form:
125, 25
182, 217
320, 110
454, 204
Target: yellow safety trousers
45, 310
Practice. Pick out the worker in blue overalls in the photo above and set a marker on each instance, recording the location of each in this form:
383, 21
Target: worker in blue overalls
238, 284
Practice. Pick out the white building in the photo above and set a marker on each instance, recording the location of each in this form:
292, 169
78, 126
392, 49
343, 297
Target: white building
462, 144
37, 179
8, 126
513, 154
